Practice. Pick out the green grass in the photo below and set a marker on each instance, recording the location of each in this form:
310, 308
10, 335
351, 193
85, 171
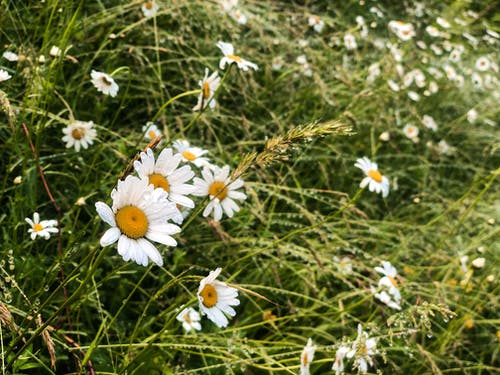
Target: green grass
295, 139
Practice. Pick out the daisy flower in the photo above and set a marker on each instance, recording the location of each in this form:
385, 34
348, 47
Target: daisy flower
316, 23
363, 348
216, 299
483, 63
442, 22
429, 122
307, 357
79, 134
139, 213
228, 5
149, 8
151, 130
222, 192
403, 31
472, 115
55, 51
350, 41
104, 83
338, 365
238, 16
390, 289
4, 75
374, 179
230, 58
190, 319
165, 174
413, 96
411, 131
191, 154
10, 56
208, 87
41, 228
433, 31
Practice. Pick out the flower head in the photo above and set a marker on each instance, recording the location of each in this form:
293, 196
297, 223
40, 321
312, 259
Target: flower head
483, 63
79, 134
149, 8
151, 130
388, 286
139, 213
230, 58
10, 56
316, 23
4, 75
165, 174
208, 87
104, 83
222, 192
307, 357
191, 154
429, 122
350, 41
411, 131
374, 179
338, 365
216, 299
190, 319
362, 349
41, 228
403, 31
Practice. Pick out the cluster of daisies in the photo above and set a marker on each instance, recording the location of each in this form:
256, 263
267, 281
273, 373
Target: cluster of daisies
152, 205
361, 351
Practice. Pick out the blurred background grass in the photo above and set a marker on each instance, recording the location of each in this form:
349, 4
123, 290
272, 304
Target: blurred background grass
300, 213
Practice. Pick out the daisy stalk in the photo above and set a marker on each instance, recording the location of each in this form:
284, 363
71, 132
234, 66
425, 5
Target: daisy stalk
173, 99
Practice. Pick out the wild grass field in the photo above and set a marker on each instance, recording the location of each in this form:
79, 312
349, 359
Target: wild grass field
249, 187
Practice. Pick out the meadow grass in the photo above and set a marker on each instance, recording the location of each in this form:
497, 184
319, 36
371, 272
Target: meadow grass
303, 249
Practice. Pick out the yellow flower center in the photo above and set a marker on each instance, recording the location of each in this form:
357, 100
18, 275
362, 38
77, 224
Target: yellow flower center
235, 58
37, 227
159, 181
206, 90
393, 281
469, 324
375, 175
149, 5
364, 350
106, 81
151, 134
78, 133
187, 318
218, 189
189, 155
132, 221
304, 359
209, 295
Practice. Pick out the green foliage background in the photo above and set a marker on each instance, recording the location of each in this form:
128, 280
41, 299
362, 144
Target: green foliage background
303, 210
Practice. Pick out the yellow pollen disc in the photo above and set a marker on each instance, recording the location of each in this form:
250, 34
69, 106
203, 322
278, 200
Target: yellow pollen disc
187, 319
217, 189
159, 181
106, 81
206, 90
304, 359
132, 221
151, 134
209, 295
78, 133
235, 58
149, 5
393, 281
375, 175
189, 155
37, 227
364, 350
